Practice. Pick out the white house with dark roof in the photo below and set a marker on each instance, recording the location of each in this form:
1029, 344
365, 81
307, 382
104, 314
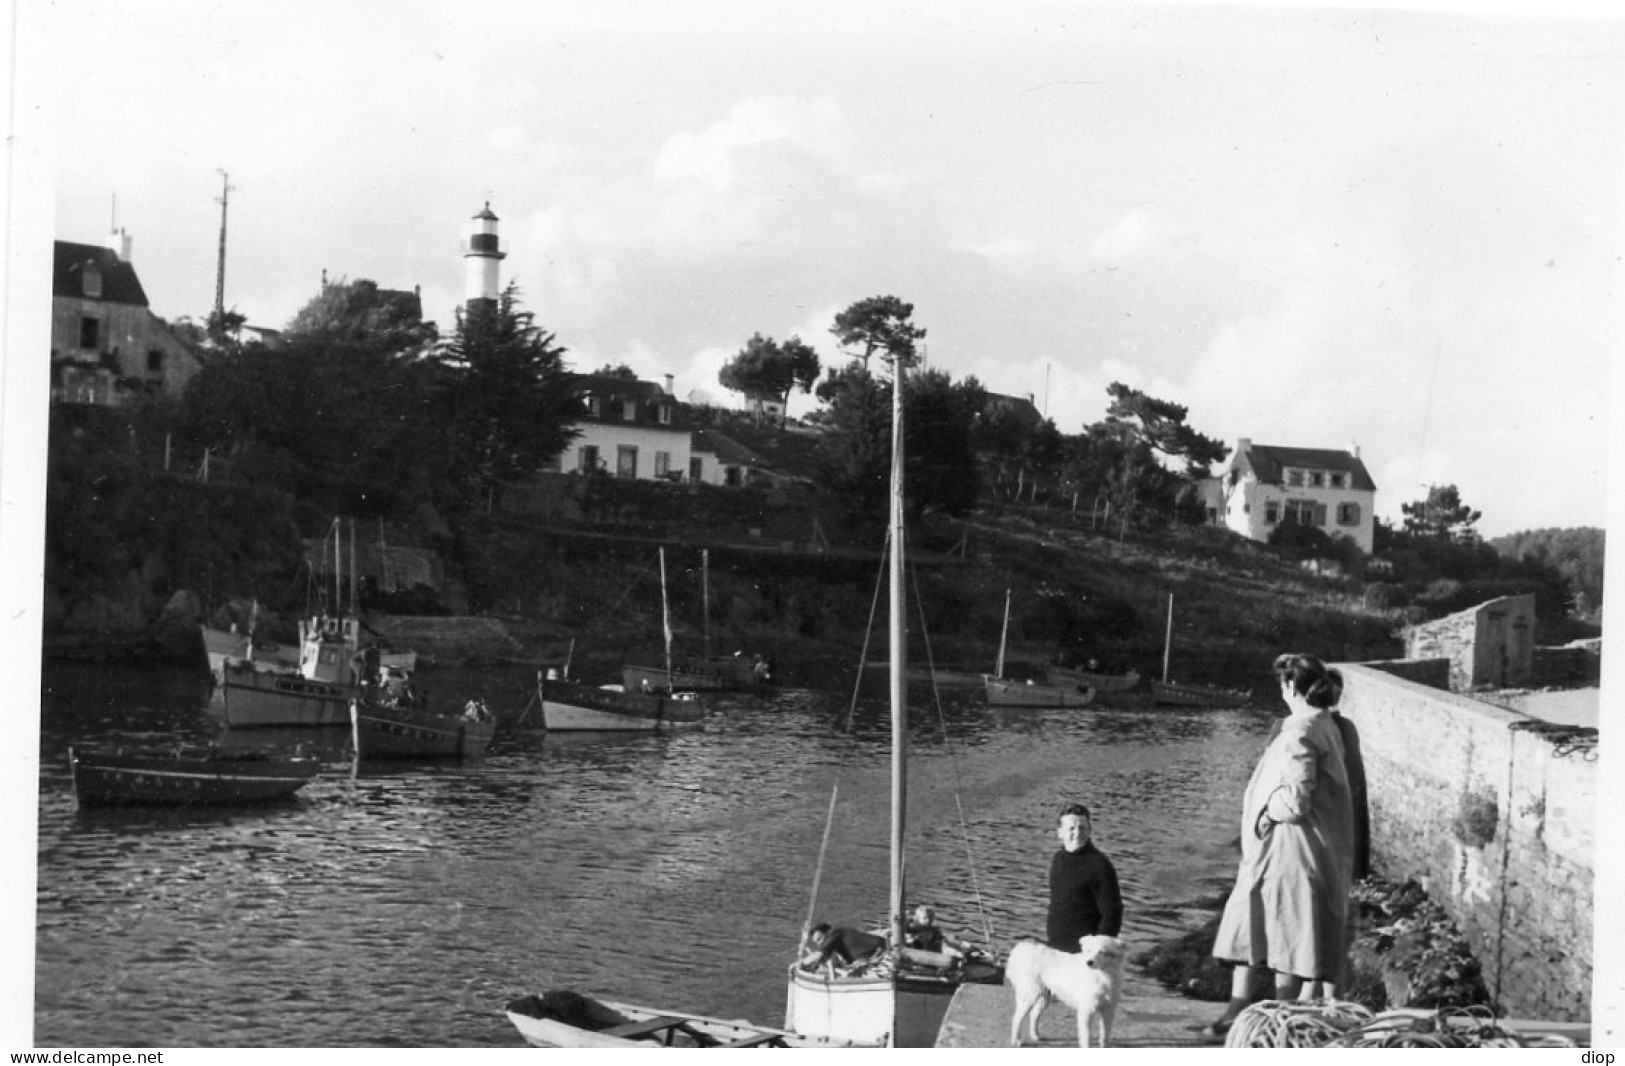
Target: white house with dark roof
627, 428
1266, 485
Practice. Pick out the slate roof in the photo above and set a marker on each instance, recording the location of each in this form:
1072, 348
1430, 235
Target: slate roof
1268, 461
612, 390
1022, 407
119, 282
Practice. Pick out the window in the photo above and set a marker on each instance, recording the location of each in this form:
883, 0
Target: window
1294, 477
629, 410
90, 331
733, 477
91, 280
1317, 479
626, 461
696, 467
665, 414
1303, 512
595, 407
589, 459
662, 464
1272, 513
1337, 481
155, 361
1348, 514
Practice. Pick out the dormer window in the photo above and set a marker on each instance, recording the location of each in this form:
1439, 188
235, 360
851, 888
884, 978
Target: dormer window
629, 410
665, 414
1294, 477
91, 280
1337, 481
1317, 479
595, 406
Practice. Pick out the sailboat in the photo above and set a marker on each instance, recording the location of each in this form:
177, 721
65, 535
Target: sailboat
1005, 692
901, 1000
700, 673
1169, 694
573, 705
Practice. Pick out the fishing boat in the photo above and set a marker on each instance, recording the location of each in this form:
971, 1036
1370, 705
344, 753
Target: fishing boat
1101, 683
331, 665
697, 673
573, 705
185, 774
396, 724
1166, 693
901, 997
567, 1019
1009, 692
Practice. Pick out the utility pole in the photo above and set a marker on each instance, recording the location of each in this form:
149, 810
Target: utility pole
220, 262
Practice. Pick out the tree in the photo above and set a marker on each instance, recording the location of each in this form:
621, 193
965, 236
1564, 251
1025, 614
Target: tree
1441, 516
1161, 425
358, 311
616, 370
879, 324
503, 399
766, 369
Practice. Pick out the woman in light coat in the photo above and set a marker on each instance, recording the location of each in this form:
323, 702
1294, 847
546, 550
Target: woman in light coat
1288, 911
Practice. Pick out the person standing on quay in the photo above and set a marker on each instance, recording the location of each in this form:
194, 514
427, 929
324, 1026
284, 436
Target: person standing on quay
1289, 908
1083, 896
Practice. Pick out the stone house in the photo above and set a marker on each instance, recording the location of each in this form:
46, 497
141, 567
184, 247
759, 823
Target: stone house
1266, 485
107, 347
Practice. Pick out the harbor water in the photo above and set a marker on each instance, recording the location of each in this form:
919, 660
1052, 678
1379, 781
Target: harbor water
405, 904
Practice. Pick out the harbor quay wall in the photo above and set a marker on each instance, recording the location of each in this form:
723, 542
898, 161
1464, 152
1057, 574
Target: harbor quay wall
1495, 817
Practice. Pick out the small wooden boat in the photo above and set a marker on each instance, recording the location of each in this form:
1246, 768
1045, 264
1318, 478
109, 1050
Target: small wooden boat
185, 774
1005, 692
1172, 694
570, 705
703, 673
392, 727
1101, 683
565, 1019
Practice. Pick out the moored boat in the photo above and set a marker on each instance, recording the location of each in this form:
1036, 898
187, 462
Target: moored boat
1005, 692
566, 1019
568, 705
1173, 694
185, 774
706, 673
1101, 683
406, 729
316, 693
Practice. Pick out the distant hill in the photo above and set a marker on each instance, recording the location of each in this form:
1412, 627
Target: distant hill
1578, 553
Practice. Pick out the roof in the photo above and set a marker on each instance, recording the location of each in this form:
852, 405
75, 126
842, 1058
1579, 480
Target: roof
612, 387
1022, 407
1268, 461
119, 282
726, 449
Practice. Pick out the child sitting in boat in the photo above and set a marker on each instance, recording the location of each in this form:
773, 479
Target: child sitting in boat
828, 946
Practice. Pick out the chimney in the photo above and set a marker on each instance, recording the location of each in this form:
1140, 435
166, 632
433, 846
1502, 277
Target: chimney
119, 242
1354, 448
1243, 444
670, 385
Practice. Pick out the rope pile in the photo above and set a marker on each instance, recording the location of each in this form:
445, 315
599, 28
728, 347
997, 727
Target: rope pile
1338, 1023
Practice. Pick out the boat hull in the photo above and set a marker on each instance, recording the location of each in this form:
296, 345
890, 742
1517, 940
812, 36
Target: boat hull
893, 1010
250, 698
1167, 694
384, 732
715, 674
1101, 683
590, 1023
186, 777
1002, 692
569, 705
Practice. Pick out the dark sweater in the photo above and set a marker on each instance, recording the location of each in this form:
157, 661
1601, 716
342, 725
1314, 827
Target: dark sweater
1083, 897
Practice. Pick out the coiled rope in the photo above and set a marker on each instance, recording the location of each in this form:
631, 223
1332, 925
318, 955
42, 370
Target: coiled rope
1343, 1024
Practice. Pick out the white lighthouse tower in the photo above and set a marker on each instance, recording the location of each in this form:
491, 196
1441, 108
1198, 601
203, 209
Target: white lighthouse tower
483, 258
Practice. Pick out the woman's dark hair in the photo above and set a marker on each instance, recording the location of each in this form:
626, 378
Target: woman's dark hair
1320, 685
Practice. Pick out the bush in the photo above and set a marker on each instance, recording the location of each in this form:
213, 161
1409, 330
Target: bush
1385, 596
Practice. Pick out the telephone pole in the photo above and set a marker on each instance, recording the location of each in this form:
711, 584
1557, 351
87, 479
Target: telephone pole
220, 263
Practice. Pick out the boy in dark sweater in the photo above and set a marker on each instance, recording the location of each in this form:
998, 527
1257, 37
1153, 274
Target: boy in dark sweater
1083, 894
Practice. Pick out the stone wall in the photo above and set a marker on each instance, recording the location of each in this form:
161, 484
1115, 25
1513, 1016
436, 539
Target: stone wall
1495, 816
1488, 645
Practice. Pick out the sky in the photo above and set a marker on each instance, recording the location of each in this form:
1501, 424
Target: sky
1391, 229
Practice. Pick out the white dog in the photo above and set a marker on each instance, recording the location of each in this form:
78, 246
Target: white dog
1089, 982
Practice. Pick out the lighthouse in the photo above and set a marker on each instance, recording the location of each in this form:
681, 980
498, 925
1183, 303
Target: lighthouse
483, 257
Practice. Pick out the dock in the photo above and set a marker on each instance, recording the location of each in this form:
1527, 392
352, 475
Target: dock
1148, 1016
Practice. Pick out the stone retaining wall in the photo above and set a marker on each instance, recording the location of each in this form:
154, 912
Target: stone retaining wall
1496, 818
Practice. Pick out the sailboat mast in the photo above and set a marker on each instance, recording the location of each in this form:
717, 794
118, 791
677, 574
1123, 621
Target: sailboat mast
665, 617
1168, 640
899, 644
338, 568
705, 592
998, 668
355, 597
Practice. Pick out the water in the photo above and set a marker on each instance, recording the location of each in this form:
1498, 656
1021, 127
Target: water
405, 905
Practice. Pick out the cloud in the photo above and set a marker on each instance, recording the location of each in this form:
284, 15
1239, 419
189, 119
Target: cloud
1133, 232
709, 156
